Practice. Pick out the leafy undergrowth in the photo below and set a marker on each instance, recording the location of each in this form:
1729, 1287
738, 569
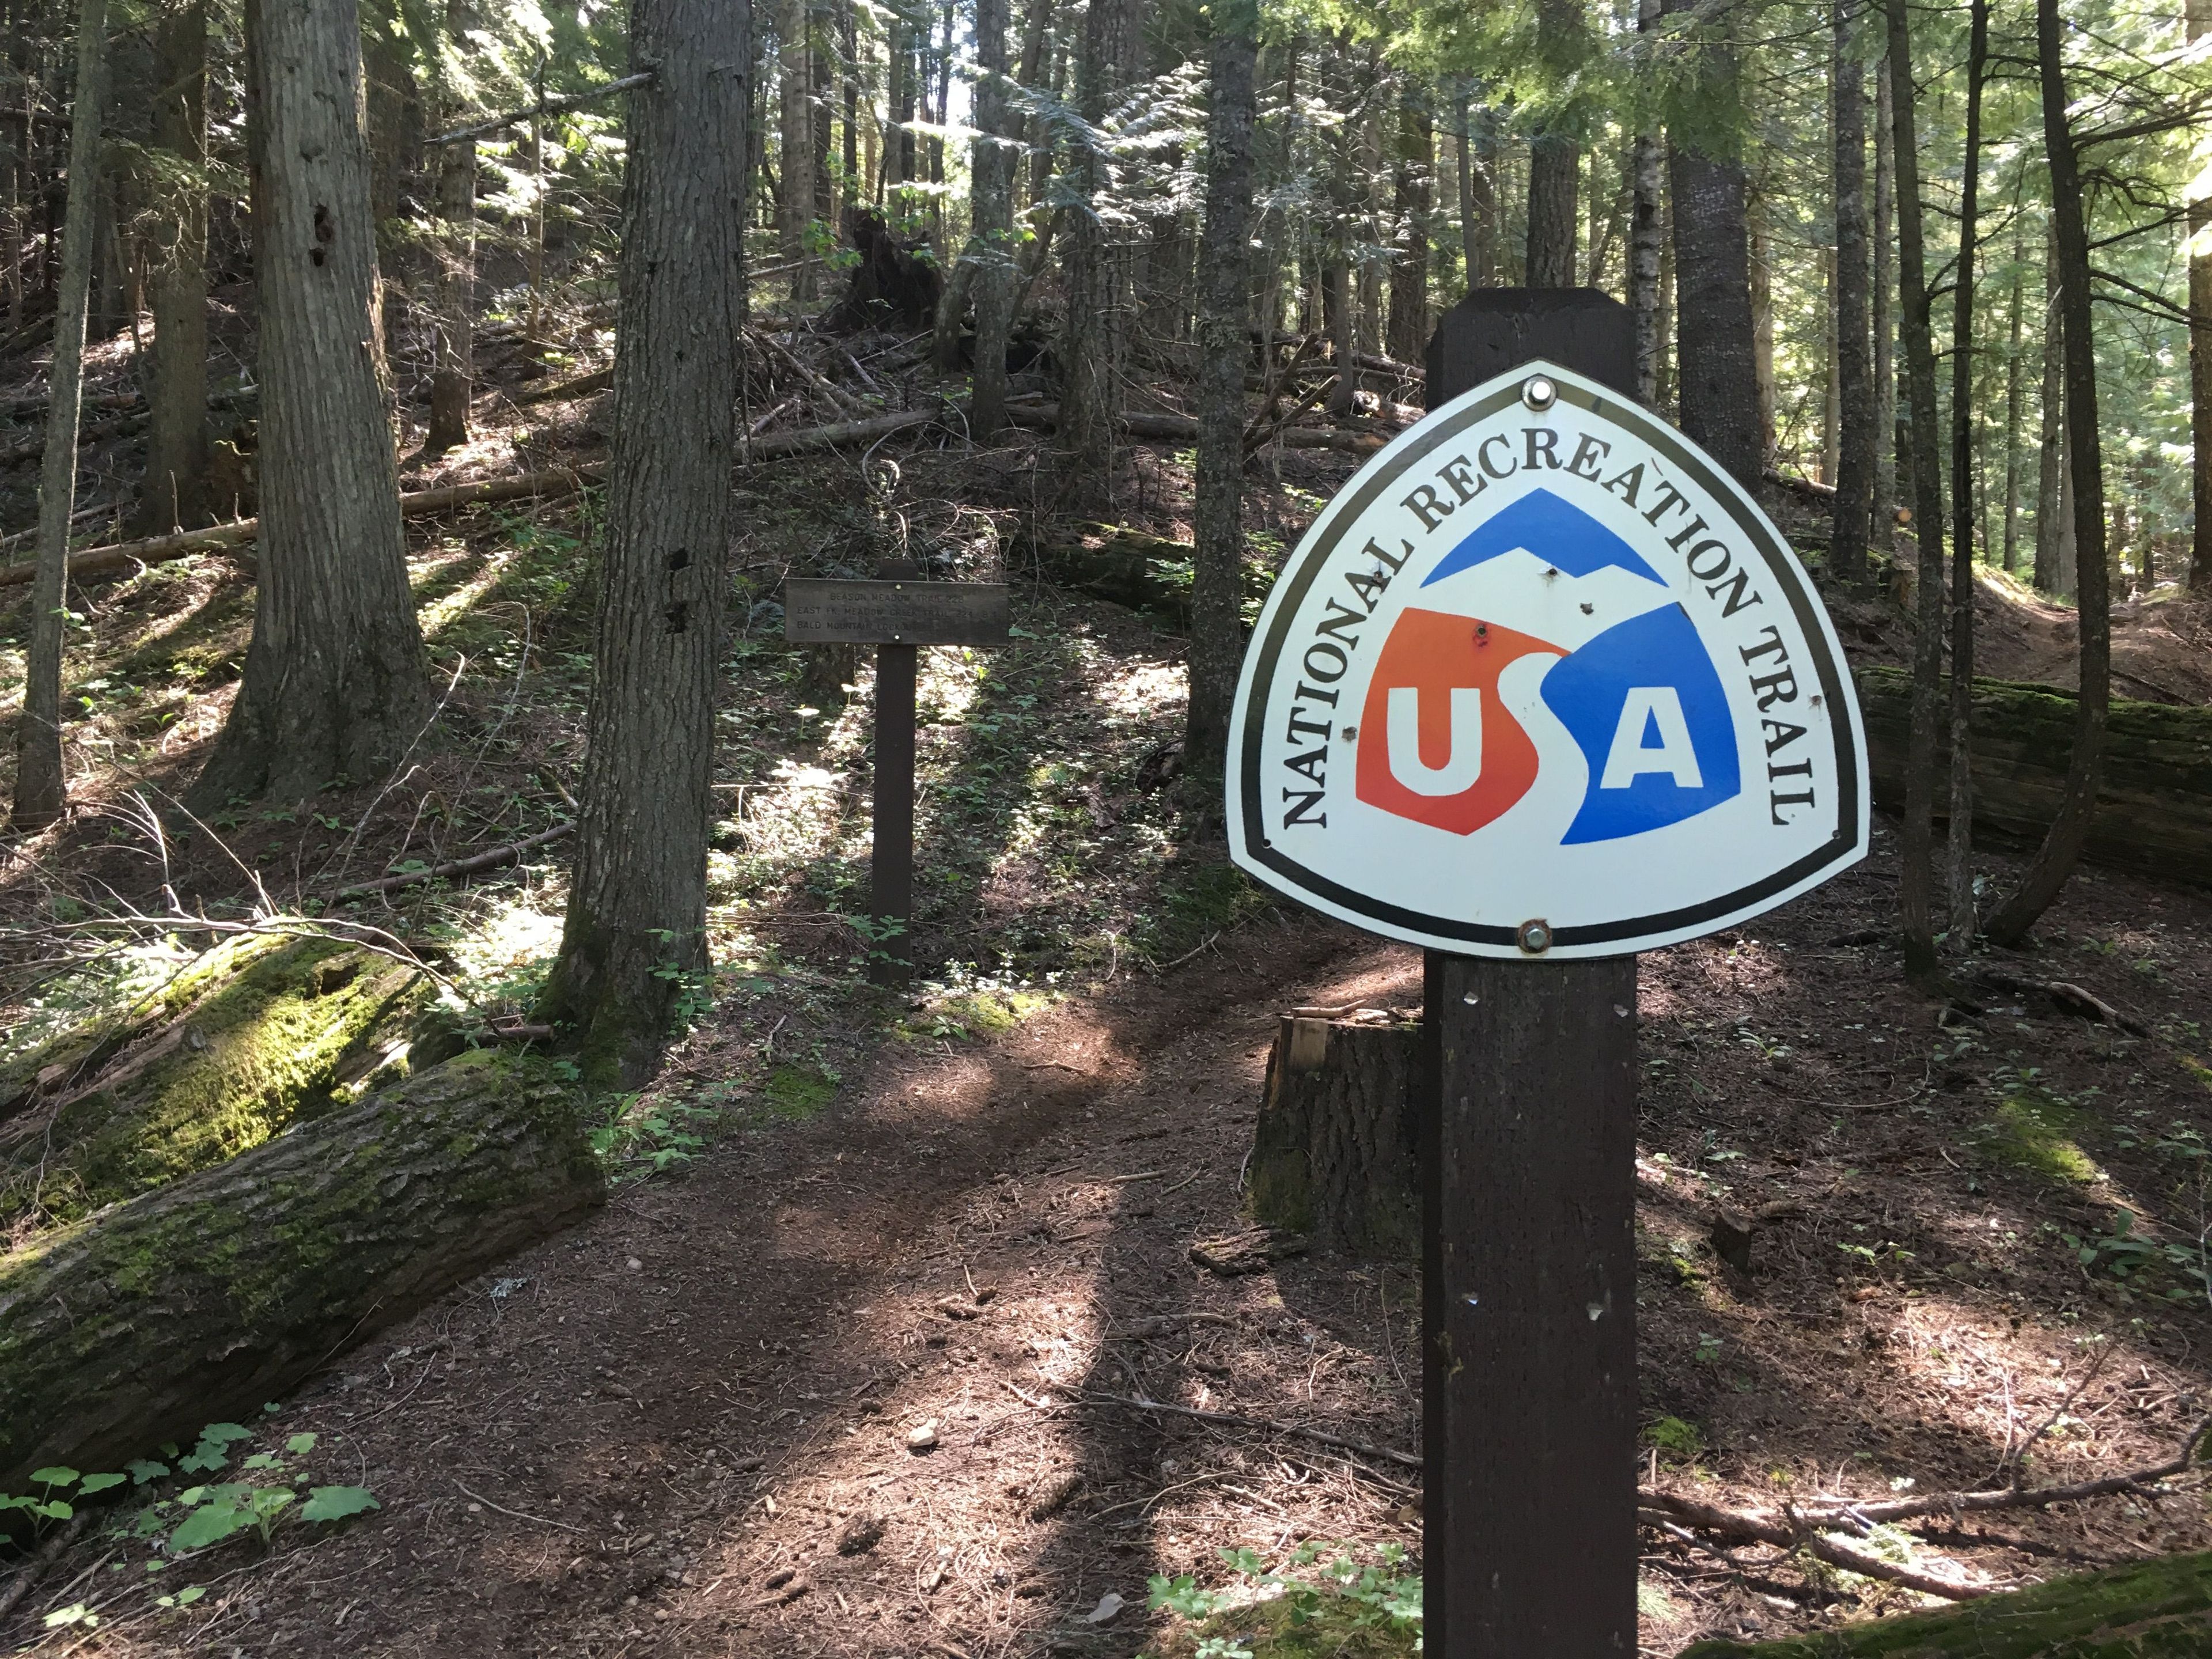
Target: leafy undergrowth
1328, 1601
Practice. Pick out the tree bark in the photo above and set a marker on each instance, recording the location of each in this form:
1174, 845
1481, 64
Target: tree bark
174, 494
1760, 268
41, 790
1334, 1153
638, 897
2061, 849
1646, 235
334, 686
1554, 157
1715, 360
223, 1288
1477, 197
992, 244
1853, 460
1882, 304
452, 382
1217, 640
1960, 831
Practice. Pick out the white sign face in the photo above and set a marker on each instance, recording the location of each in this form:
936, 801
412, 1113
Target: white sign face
1542, 677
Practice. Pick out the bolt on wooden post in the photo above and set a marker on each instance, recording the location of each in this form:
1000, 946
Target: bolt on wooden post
897, 612
1541, 688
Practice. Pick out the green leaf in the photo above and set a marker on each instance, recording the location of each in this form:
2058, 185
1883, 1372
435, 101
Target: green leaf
336, 1502
260, 1461
76, 1614
300, 1445
54, 1509
92, 1483
210, 1523
54, 1476
221, 1434
143, 1469
189, 1594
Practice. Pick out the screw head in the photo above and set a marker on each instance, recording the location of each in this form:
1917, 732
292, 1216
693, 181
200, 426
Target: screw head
1539, 392
1534, 937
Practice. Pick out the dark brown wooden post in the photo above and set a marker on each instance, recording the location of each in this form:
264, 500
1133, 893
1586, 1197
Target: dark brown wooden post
1528, 1270
890, 867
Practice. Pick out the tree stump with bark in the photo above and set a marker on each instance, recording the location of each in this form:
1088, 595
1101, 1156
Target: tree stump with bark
2159, 1610
1334, 1153
199, 1301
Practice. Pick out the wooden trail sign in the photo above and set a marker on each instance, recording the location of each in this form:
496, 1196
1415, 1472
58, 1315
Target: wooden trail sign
1541, 687
895, 613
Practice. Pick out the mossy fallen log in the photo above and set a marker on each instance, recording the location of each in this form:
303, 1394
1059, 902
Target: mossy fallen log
257, 1035
2154, 801
2160, 1609
1333, 1151
199, 1301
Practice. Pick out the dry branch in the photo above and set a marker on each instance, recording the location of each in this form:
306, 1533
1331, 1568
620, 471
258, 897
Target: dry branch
1235, 1420
1181, 428
492, 858
543, 106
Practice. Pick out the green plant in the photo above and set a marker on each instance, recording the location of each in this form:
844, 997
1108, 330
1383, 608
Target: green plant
649, 1140
1345, 1607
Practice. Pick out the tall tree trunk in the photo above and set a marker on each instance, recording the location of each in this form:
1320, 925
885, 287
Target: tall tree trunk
848, 53
452, 382
1917, 875
334, 685
1554, 157
40, 786
1217, 634
1663, 380
1716, 358
1090, 400
2062, 847
637, 903
2052, 518
1413, 184
2012, 419
1854, 461
898, 146
174, 495
2197, 15
1959, 834
1646, 243
1478, 197
1760, 268
992, 244
1036, 33
1882, 305
795, 84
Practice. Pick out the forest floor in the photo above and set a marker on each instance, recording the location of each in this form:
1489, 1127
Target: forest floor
845, 1216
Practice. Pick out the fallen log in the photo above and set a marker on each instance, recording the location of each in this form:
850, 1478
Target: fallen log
2154, 811
32, 449
2158, 1609
832, 437
1134, 568
597, 380
254, 1037
496, 858
1333, 1151
158, 550
197, 1302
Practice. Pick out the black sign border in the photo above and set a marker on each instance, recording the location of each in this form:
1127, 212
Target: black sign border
1841, 848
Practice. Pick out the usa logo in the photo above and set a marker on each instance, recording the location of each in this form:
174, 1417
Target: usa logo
1543, 676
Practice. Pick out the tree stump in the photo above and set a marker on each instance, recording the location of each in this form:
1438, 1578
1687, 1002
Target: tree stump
1333, 1154
2159, 1610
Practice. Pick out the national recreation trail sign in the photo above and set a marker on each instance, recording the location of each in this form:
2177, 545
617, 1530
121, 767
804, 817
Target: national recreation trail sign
1541, 688
1543, 678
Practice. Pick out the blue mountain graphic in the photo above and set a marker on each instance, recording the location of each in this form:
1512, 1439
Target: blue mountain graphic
1559, 534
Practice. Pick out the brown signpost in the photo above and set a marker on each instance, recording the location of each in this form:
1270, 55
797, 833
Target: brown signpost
1542, 687
896, 612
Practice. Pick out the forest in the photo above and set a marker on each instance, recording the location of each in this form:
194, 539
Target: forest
481, 1168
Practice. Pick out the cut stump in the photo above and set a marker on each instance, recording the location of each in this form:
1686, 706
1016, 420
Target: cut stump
2159, 1610
202, 1299
1334, 1153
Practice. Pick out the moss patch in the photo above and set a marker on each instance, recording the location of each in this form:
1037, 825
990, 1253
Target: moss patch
1326, 1626
249, 1040
796, 1093
2035, 1131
